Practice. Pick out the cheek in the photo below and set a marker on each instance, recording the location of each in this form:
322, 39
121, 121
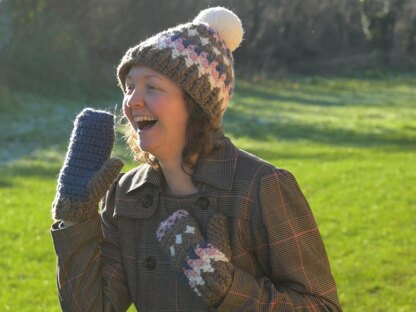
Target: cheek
129, 115
178, 119
184, 114
126, 109
183, 120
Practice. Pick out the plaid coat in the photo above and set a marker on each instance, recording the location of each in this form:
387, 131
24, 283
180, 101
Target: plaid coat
280, 263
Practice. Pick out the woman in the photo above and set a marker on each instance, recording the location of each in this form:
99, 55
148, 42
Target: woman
202, 224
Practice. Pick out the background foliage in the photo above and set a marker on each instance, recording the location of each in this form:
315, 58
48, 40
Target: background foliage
76, 44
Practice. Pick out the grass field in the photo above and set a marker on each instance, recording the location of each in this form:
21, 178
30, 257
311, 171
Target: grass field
350, 142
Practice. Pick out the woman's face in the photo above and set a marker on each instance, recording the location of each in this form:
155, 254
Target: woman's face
155, 107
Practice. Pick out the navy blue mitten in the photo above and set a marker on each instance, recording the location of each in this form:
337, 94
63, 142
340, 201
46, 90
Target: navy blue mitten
88, 170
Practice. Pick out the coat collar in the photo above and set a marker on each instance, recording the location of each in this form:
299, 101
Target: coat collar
216, 169
145, 174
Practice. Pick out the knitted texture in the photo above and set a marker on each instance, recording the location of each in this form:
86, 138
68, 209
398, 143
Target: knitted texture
207, 268
87, 171
195, 56
169, 222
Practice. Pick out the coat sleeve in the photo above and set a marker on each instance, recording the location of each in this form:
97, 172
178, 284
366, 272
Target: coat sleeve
89, 271
288, 244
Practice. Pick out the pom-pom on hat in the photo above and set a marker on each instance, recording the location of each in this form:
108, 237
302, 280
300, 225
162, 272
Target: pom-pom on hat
197, 56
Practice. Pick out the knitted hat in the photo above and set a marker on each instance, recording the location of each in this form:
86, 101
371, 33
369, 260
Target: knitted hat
197, 56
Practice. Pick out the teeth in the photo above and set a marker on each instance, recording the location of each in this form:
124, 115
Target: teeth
143, 118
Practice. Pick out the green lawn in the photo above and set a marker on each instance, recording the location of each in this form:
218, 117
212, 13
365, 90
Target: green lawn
350, 142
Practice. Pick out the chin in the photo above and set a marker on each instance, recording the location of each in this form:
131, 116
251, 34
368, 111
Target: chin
147, 147
144, 147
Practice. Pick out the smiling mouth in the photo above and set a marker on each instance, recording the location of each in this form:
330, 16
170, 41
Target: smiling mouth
144, 122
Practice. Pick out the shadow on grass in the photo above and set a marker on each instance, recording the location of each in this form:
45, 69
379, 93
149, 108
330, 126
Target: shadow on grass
325, 96
5, 183
244, 126
47, 122
264, 95
279, 155
41, 169
46, 162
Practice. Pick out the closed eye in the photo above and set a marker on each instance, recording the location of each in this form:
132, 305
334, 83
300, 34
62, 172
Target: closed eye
129, 88
151, 87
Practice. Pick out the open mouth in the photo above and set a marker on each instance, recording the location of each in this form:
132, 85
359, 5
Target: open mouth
144, 122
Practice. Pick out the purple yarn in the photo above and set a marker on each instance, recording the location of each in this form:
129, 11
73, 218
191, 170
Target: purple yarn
169, 222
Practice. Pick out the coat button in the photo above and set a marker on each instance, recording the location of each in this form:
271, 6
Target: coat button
147, 201
203, 203
150, 263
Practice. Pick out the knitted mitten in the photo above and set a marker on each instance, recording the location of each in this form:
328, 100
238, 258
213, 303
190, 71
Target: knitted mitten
87, 172
206, 264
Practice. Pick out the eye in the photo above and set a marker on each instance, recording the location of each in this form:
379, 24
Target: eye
129, 88
151, 86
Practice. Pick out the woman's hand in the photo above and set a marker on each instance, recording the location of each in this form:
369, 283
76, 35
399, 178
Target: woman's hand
206, 264
87, 172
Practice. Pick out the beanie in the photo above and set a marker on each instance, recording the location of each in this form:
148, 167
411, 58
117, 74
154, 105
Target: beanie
197, 56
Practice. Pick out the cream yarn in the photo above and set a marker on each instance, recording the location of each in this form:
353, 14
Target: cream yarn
225, 22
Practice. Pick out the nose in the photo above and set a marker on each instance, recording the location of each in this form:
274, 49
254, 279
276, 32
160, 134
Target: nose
134, 99
131, 101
